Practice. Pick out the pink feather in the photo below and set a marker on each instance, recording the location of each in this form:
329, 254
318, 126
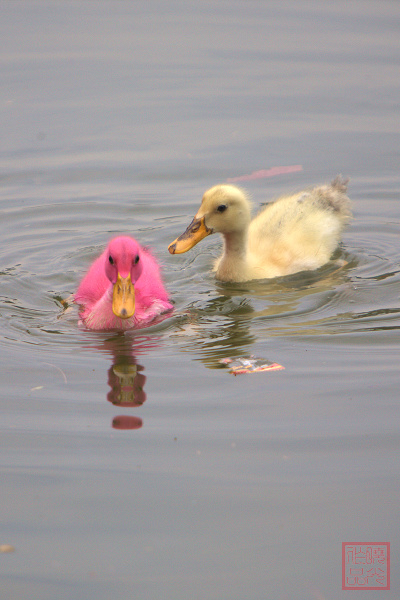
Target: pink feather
95, 292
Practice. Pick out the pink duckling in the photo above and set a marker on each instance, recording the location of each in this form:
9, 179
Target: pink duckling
122, 289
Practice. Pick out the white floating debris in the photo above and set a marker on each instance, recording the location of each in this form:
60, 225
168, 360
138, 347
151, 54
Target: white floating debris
249, 364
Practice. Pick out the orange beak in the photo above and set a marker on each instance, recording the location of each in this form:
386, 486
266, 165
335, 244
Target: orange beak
196, 231
123, 303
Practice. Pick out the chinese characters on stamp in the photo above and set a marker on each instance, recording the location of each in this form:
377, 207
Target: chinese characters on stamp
365, 566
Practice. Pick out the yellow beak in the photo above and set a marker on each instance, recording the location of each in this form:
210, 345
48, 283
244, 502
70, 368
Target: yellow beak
123, 304
196, 231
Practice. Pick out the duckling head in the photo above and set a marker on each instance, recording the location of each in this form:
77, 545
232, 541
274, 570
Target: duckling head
123, 268
224, 209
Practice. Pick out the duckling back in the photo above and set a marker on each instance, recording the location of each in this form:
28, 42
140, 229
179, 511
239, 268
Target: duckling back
299, 232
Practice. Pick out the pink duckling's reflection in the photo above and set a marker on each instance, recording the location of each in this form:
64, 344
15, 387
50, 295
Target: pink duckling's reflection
127, 384
126, 422
125, 377
126, 381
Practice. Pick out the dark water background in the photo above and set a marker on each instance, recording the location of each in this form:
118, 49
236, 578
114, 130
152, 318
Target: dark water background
115, 118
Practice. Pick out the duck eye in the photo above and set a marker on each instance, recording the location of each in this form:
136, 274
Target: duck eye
222, 208
110, 258
136, 259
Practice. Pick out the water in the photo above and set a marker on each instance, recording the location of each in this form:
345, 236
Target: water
135, 465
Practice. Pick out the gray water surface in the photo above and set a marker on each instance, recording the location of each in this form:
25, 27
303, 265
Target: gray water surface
136, 465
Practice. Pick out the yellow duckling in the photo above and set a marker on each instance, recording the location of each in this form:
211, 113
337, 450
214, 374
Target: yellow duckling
294, 233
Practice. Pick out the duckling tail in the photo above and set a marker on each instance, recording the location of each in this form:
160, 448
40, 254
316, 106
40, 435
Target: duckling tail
340, 184
333, 197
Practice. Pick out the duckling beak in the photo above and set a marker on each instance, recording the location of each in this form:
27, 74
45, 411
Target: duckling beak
123, 303
196, 231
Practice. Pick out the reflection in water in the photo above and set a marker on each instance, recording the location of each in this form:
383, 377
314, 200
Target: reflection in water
125, 376
126, 422
228, 326
126, 383
216, 330
127, 389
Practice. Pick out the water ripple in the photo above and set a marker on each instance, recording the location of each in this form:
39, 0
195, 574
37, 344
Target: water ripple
47, 247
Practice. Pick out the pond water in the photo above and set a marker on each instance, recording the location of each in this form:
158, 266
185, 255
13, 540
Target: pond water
135, 465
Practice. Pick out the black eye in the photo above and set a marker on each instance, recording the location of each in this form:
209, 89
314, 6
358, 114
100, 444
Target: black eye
136, 259
222, 208
110, 258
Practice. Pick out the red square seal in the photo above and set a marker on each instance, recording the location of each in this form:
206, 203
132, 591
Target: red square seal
365, 566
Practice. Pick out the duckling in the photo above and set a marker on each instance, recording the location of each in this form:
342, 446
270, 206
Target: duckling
122, 289
295, 233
